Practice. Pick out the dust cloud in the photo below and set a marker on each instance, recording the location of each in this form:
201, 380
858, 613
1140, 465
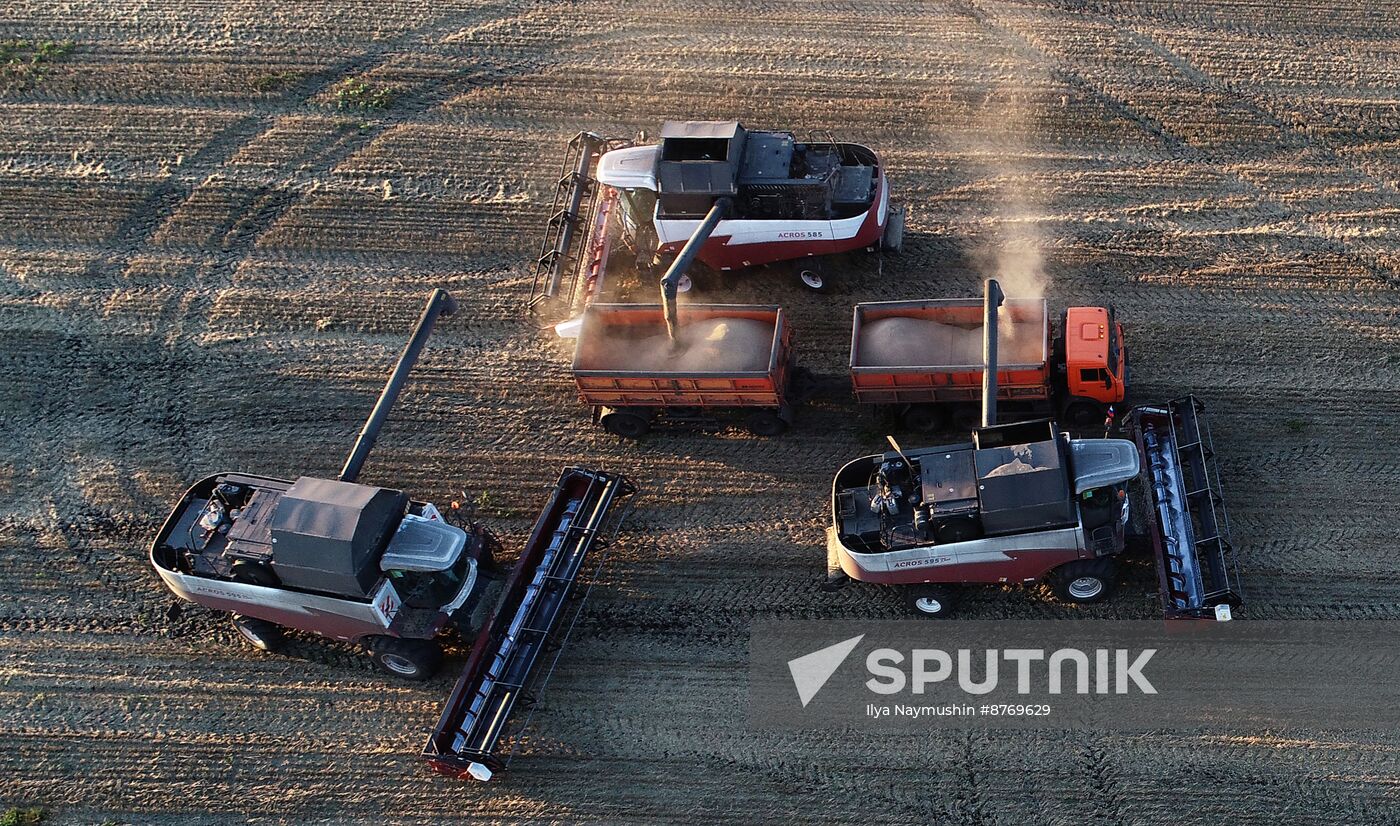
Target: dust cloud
1004, 127
713, 345
920, 342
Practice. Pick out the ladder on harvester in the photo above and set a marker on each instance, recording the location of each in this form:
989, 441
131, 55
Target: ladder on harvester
575, 211
1197, 567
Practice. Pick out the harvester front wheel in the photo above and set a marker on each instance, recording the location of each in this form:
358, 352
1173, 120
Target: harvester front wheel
929, 600
626, 425
260, 634
415, 660
1085, 580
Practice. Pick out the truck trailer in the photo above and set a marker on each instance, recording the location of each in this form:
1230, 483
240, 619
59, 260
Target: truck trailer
737, 366
921, 362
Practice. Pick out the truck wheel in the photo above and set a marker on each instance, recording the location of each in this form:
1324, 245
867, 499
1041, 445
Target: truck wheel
1085, 580
929, 600
415, 660
766, 423
924, 418
626, 425
1084, 415
254, 573
260, 634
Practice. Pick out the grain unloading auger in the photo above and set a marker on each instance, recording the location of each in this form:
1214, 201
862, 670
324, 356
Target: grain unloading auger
371, 566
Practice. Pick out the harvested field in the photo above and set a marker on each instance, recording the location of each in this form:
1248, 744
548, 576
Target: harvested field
211, 251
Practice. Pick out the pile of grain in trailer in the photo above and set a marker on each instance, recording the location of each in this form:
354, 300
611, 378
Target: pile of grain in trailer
901, 341
712, 345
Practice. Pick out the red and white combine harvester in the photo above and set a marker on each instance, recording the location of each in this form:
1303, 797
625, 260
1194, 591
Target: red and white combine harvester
731, 197
1025, 502
371, 566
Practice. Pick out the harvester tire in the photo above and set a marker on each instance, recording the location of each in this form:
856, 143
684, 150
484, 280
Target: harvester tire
415, 660
1085, 580
929, 600
924, 418
626, 425
259, 634
765, 423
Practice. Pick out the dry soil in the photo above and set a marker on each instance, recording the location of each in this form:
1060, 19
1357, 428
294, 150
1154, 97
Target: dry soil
207, 264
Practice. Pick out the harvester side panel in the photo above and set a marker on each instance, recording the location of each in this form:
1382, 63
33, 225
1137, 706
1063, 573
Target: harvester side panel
476, 728
1189, 529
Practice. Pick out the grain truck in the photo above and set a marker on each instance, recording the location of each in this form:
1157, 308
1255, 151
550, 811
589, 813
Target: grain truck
642, 365
921, 361
372, 566
1025, 502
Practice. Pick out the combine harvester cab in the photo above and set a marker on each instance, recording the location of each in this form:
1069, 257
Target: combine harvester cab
477, 734
1197, 569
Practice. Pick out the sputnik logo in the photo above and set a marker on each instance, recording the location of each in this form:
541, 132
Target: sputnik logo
811, 671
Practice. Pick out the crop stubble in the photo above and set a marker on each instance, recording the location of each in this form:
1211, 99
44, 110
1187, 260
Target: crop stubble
205, 269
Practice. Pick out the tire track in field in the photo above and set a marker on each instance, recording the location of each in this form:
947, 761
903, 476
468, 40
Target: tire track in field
1066, 69
235, 236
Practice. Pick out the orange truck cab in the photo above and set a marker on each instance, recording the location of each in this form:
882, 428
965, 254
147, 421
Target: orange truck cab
1095, 361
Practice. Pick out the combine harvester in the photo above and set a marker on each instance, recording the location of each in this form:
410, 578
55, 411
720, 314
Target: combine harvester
369, 565
1024, 502
744, 198
921, 361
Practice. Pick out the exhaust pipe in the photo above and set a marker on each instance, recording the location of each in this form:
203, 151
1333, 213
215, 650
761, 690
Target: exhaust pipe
670, 282
440, 303
992, 298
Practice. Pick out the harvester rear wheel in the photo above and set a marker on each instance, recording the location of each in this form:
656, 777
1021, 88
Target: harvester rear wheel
813, 279
415, 660
924, 418
765, 423
1085, 580
929, 600
626, 425
260, 634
